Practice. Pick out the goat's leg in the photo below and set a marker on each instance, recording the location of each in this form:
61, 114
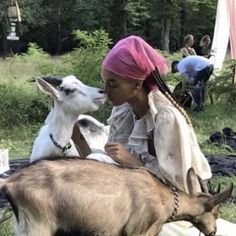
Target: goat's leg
155, 229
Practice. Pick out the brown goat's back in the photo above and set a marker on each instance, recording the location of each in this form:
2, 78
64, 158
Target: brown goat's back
95, 196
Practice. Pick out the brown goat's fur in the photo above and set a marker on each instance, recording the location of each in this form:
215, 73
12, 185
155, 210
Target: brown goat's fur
99, 198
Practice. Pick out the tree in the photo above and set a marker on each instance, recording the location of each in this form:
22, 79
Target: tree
163, 23
4, 26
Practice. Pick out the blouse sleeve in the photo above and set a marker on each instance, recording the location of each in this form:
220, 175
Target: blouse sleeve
177, 148
121, 123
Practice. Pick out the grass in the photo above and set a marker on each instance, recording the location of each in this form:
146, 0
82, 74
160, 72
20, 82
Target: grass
215, 117
19, 140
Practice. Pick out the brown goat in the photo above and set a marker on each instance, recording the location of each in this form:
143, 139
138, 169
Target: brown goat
103, 199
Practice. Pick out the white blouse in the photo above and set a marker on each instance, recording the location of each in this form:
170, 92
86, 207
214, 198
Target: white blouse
175, 142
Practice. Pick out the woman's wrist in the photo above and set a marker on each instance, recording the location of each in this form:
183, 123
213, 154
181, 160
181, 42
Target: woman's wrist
132, 161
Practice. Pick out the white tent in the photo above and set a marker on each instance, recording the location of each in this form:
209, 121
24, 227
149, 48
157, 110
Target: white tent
224, 32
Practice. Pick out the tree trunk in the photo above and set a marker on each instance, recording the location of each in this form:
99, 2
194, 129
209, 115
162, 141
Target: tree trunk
59, 47
165, 39
124, 18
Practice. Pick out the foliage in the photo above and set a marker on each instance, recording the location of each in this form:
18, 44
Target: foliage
35, 54
215, 117
222, 85
137, 11
86, 60
97, 39
42, 61
50, 23
7, 228
21, 108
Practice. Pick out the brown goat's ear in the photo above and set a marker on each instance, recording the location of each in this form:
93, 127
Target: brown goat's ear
219, 198
192, 182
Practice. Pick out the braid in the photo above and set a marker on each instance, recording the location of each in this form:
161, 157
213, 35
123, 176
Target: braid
168, 94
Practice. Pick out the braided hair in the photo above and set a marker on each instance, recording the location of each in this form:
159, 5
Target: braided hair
168, 94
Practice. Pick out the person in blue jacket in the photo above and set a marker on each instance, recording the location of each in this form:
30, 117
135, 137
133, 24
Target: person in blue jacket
197, 70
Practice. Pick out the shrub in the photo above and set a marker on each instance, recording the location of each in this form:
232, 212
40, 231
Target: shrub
85, 61
222, 87
21, 106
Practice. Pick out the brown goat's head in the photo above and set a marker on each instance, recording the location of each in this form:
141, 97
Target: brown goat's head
209, 211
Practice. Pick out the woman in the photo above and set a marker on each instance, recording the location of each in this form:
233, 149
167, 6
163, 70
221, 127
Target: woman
204, 48
147, 126
187, 50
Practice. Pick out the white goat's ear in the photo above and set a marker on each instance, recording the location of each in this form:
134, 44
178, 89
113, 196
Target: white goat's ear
192, 182
48, 89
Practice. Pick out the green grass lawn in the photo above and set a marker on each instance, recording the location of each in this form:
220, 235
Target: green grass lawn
216, 116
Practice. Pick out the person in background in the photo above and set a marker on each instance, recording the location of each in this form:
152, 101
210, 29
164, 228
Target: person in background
204, 48
187, 49
197, 70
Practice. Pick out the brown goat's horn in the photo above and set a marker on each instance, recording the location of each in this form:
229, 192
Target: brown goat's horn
218, 188
220, 197
203, 184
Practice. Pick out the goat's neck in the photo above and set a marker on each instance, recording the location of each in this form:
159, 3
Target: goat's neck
60, 125
189, 207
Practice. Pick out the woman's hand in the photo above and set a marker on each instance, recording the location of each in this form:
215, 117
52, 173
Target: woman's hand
121, 155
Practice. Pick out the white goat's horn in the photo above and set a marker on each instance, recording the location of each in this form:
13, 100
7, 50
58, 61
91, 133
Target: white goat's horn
52, 80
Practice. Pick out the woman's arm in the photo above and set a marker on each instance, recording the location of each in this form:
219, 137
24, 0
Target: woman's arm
184, 52
177, 148
121, 155
187, 52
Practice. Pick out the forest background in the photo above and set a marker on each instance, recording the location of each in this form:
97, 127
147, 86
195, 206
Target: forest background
50, 24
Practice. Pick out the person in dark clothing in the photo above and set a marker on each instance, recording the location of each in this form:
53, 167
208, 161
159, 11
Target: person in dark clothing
204, 47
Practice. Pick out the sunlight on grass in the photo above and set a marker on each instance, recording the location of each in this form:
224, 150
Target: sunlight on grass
19, 140
7, 228
16, 72
228, 212
214, 118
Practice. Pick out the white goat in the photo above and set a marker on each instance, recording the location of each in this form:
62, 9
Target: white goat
71, 98
95, 132
102, 199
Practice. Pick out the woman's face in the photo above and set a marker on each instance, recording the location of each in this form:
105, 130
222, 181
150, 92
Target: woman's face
190, 41
119, 90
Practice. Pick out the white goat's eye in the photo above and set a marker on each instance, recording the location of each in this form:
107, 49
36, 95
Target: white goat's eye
69, 91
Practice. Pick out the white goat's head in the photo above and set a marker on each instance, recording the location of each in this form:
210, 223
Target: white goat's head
71, 94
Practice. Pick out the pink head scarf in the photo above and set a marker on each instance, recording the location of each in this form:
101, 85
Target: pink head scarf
134, 58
